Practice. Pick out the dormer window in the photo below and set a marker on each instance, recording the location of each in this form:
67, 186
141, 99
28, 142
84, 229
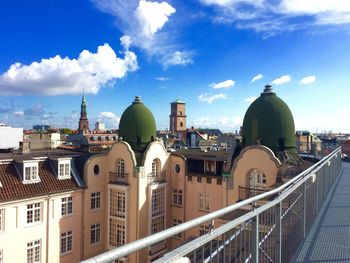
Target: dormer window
30, 172
64, 169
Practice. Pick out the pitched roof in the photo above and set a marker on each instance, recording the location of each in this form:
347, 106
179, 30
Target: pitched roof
13, 188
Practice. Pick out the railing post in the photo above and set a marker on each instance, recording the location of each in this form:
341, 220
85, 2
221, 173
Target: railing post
278, 240
255, 237
318, 175
304, 209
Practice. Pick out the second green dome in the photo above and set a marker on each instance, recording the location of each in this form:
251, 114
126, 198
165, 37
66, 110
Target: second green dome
137, 125
270, 122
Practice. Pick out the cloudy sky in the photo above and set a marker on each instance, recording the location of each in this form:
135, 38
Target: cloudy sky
216, 55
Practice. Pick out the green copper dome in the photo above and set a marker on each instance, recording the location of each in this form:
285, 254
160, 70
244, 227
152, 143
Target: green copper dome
270, 122
137, 125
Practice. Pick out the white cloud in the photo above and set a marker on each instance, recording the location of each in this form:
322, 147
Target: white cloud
152, 16
250, 99
272, 17
282, 80
19, 113
257, 77
223, 85
109, 118
176, 58
209, 98
162, 78
149, 24
308, 80
57, 75
223, 123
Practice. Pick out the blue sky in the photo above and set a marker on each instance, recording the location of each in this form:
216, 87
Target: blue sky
216, 55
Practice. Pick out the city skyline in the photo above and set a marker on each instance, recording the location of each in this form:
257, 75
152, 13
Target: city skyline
216, 55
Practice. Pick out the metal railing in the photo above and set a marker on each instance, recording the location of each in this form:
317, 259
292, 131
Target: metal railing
271, 232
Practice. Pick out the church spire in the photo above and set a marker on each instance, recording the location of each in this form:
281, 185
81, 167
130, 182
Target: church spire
83, 121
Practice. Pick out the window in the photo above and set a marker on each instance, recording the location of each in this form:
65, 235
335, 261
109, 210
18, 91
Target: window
121, 168
1, 256
204, 229
31, 173
34, 251
189, 178
117, 203
199, 179
208, 180
209, 166
158, 197
64, 170
177, 197
96, 169
175, 223
155, 168
66, 242
95, 233
33, 213
95, 200
203, 202
2, 220
218, 181
177, 168
116, 233
67, 206
158, 212
257, 179
157, 224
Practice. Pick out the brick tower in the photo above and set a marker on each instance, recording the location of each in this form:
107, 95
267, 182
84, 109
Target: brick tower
177, 116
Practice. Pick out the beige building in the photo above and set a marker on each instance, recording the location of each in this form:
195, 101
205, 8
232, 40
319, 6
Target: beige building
40, 140
137, 188
40, 210
142, 189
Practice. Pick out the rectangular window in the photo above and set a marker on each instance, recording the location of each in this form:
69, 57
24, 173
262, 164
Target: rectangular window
177, 197
34, 251
158, 197
33, 213
95, 200
157, 224
203, 229
116, 233
64, 170
67, 206
95, 233
1, 256
31, 173
2, 220
203, 201
66, 242
175, 223
209, 167
117, 203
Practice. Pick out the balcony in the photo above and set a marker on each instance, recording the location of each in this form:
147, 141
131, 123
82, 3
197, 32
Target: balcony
117, 178
246, 192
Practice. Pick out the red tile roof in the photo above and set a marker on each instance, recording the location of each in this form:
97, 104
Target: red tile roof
13, 188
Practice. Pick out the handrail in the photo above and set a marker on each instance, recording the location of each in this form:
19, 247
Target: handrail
167, 233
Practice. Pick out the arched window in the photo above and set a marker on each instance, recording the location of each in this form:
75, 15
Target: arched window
121, 168
155, 167
181, 124
257, 179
